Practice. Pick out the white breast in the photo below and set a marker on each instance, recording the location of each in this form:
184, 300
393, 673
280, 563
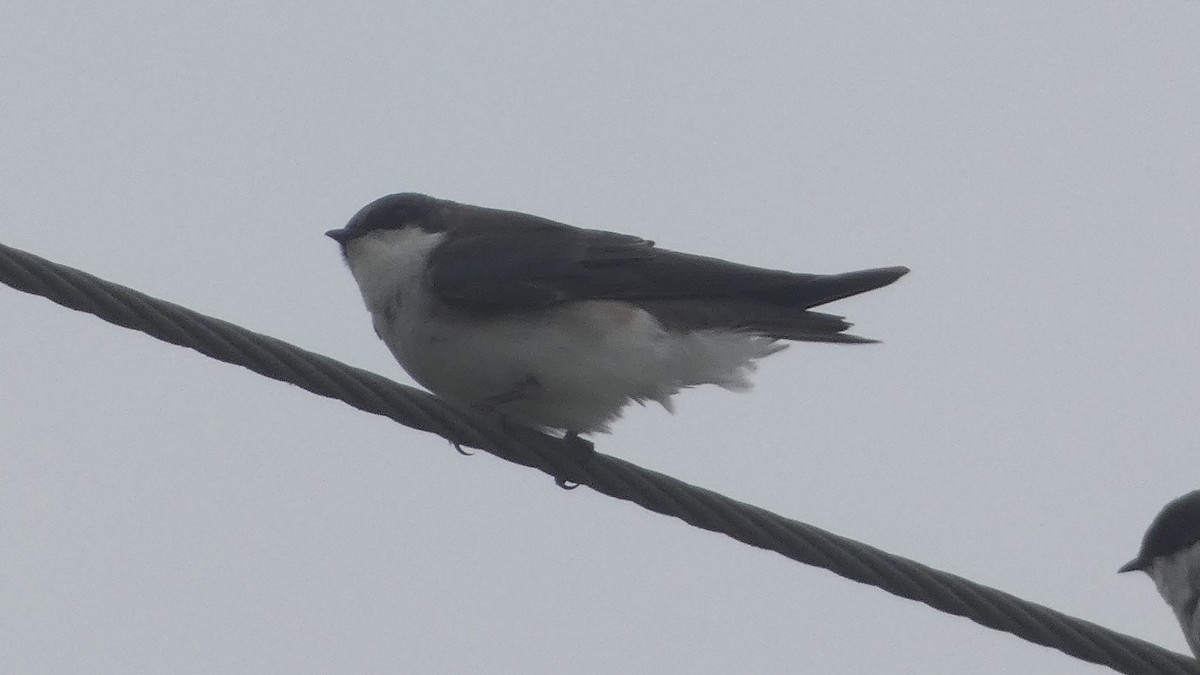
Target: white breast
585, 360
1177, 577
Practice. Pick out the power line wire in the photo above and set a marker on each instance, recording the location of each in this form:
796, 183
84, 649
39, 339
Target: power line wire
569, 461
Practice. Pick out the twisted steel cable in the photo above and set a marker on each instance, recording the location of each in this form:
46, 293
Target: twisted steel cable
574, 461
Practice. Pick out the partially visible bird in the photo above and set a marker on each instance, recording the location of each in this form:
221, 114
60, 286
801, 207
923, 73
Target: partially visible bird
560, 327
1170, 555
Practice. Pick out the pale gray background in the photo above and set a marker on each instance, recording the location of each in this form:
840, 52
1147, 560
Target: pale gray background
1032, 407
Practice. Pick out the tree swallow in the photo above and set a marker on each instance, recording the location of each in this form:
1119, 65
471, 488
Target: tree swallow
1170, 554
559, 327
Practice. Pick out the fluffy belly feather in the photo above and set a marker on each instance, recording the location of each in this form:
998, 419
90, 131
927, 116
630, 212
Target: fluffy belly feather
573, 367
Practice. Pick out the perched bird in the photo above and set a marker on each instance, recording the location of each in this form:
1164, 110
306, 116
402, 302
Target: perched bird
559, 327
1170, 554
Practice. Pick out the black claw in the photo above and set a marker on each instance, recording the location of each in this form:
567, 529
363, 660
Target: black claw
581, 448
461, 451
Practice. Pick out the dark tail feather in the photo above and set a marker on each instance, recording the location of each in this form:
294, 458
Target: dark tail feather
826, 288
781, 311
812, 327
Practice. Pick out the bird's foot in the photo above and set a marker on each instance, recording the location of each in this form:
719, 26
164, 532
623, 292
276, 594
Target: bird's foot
581, 450
491, 404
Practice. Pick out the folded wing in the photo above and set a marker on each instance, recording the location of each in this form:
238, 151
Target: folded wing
506, 261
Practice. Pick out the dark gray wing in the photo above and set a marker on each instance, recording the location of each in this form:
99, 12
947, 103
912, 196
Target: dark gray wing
505, 261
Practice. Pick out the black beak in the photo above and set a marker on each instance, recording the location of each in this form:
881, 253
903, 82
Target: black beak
1134, 565
340, 236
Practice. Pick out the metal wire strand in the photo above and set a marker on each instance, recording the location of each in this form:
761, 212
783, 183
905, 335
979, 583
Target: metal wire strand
568, 461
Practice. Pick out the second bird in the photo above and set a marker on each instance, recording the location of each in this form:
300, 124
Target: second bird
1170, 555
560, 327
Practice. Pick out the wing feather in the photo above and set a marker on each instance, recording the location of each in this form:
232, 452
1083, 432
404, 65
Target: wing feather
507, 261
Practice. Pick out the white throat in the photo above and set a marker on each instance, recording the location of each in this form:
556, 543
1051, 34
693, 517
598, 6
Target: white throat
1177, 577
385, 262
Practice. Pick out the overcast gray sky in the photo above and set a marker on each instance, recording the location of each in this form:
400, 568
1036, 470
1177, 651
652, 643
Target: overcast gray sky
1032, 407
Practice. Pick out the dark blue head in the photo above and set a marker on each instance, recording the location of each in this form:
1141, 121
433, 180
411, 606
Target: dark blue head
1175, 528
393, 212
